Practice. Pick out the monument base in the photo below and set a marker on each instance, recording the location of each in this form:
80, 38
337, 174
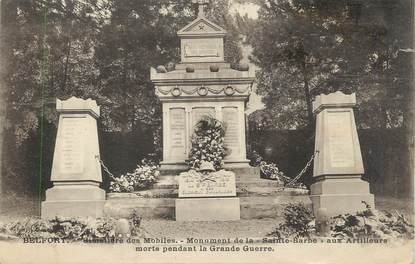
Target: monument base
340, 195
208, 209
74, 200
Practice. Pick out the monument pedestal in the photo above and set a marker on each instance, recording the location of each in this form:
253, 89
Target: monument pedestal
341, 194
207, 197
208, 209
76, 171
338, 165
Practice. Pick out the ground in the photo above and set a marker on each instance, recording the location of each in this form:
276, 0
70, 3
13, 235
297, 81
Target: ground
19, 208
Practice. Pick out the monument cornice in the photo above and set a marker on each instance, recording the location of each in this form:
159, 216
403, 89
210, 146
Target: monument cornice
216, 98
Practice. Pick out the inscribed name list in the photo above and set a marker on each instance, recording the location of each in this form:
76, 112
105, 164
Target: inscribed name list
215, 184
230, 117
340, 139
178, 131
72, 144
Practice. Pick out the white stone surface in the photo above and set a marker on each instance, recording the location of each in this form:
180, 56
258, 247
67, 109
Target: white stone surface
208, 209
215, 184
202, 83
338, 165
76, 171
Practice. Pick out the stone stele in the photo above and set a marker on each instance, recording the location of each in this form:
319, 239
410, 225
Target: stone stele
76, 171
202, 84
338, 164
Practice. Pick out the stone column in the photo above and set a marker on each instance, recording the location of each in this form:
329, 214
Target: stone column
338, 165
76, 171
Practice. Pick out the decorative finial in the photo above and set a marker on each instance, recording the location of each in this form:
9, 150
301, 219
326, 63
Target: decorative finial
202, 5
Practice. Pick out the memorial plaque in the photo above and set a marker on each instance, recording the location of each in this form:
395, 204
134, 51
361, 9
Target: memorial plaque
215, 184
72, 144
202, 48
230, 117
178, 132
340, 139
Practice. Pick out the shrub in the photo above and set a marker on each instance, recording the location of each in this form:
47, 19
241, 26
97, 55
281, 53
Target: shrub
298, 222
70, 229
208, 143
143, 177
371, 223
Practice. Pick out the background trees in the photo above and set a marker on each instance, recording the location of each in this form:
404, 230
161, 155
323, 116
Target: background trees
90, 49
305, 48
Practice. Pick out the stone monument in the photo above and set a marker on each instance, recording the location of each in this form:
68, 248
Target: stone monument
76, 171
338, 166
202, 84
207, 195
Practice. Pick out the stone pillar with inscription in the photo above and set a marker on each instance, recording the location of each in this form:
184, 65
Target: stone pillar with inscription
338, 166
76, 171
202, 84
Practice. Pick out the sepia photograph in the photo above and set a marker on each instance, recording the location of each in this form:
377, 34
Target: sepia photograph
207, 131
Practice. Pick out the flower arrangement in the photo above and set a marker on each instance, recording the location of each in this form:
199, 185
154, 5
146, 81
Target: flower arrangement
143, 177
271, 171
208, 143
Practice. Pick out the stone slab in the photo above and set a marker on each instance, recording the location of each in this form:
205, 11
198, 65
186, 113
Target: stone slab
253, 207
215, 184
74, 192
336, 204
208, 209
340, 186
73, 208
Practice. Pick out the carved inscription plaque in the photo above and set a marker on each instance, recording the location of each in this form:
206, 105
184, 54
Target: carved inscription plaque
177, 132
201, 48
230, 117
340, 139
215, 184
72, 144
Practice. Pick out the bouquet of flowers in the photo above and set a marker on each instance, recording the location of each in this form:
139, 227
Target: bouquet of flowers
271, 171
143, 177
208, 143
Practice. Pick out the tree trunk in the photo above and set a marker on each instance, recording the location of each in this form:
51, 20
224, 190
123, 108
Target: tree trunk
308, 98
8, 16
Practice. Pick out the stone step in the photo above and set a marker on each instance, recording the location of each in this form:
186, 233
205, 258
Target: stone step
172, 182
164, 208
248, 172
245, 191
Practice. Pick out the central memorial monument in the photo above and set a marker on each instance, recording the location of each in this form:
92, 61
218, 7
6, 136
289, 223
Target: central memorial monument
202, 84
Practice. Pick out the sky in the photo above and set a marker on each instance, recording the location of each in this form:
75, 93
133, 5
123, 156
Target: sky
251, 10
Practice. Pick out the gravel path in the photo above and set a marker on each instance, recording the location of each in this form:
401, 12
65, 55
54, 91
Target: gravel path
229, 229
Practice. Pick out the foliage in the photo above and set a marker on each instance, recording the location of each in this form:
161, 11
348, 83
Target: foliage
371, 223
208, 143
70, 229
305, 48
90, 49
298, 222
143, 177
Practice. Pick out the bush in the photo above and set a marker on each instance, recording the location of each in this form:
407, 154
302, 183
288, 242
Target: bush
208, 143
298, 222
371, 223
143, 177
70, 229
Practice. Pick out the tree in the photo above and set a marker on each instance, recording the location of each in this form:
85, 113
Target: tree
90, 49
305, 48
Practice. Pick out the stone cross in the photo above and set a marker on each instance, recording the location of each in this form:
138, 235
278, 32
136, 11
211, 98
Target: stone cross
202, 5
